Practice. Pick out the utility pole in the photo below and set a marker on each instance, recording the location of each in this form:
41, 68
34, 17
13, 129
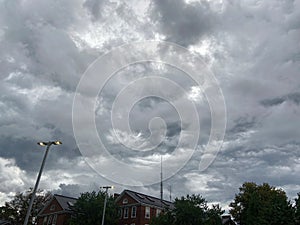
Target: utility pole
105, 201
161, 180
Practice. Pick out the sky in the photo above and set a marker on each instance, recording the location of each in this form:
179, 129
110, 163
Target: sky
77, 71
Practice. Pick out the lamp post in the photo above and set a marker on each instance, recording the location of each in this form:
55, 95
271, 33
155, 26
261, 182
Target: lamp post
48, 144
105, 200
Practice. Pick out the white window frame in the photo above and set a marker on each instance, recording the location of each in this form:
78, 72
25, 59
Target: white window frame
126, 212
158, 212
49, 220
147, 212
133, 215
125, 201
120, 213
45, 220
54, 219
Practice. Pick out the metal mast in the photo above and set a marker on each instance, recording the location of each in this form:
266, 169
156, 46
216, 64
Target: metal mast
161, 180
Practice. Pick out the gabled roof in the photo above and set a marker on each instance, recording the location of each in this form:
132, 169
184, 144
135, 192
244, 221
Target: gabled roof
146, 199
64, 201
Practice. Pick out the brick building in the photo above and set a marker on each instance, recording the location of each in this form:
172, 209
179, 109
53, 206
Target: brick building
138, 209
57, 211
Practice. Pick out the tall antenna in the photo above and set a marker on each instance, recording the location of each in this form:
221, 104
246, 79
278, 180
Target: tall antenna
161, 180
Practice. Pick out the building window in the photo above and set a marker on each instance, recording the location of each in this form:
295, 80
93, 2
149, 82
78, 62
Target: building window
125, 212
158, 211
49, 220
147, 212
52, 207
45, 220
125, 201
120, 213
133, 211
54, 219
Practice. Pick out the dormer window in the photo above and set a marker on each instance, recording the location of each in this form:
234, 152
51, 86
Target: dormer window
125, 201
70, 204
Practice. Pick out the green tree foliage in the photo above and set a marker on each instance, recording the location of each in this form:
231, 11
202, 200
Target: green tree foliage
166, 218
297, 210
261, 204
16, 209
89, 207
190, 210
213, 215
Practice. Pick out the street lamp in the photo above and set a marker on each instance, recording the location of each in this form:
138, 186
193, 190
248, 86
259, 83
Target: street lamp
48, 144
105, 200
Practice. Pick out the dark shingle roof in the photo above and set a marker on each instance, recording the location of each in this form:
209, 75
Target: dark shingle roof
65, 202
148, 200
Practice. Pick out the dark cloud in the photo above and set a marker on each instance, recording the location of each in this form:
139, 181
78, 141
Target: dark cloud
293, 97
242, 124
94, 6
251, 47
183, 23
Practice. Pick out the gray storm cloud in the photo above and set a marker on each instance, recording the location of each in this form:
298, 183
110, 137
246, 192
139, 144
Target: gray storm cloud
253, 50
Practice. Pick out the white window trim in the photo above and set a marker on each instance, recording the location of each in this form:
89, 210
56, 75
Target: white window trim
45, 220
158, 212
147, 217
133, 216
54, 219
49, 220
126, 214
120, 213
125, 201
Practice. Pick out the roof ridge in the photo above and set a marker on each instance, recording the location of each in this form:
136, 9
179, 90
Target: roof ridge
65, 196
135, 192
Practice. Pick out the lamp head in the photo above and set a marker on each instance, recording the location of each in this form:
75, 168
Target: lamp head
107, 187
56, 142
42, 143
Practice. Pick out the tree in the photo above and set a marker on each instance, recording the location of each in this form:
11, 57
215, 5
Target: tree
16, 209
213, 215
261, 204
297, 210
190, 210
89, 207
165, 218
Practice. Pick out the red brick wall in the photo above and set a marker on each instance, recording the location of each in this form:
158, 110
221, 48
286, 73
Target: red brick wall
142, 219
62, 218
140, 212
130, 200
140, 215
